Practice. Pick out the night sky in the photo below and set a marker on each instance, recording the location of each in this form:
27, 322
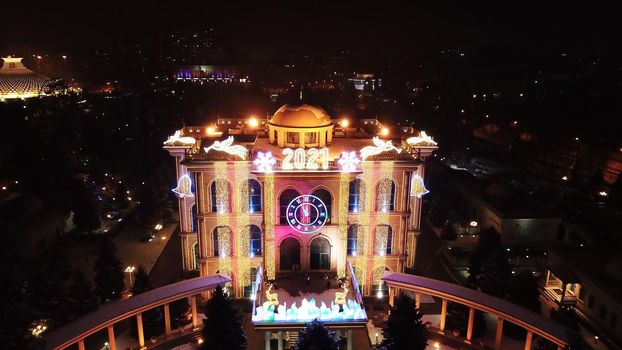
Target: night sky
382, 29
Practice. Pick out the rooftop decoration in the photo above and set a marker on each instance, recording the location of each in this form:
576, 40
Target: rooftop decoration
228, 147
264, 162
423, 138
17, 81
381, 146
348, 162
184, 187
177, 138
308, 311
417, 188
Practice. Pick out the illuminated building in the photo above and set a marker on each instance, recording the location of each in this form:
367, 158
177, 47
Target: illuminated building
299, 192
17, 81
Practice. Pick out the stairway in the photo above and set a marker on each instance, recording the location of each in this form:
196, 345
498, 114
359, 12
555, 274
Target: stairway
292, 339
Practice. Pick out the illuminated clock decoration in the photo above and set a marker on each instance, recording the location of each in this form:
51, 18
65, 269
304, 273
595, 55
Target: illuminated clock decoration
306, 214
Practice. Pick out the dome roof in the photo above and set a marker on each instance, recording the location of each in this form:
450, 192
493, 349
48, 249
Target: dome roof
17, 81
300, 116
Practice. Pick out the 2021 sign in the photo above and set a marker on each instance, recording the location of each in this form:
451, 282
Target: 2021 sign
312, 159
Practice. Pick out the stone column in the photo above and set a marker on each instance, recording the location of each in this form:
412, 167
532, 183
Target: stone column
391, 295
111, 342
141, 334
443, 316
469, 334
167, 319
195, 318
418, 300
528, 340
499, 335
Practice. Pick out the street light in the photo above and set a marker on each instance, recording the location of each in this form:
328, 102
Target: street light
129, 270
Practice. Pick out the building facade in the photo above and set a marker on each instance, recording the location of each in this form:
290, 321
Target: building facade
299, 192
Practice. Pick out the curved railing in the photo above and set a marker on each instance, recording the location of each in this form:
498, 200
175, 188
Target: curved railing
107, 315
505, 311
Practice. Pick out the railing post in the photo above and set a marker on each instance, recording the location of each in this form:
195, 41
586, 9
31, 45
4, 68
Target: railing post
81, 344
280, 340
267, 340
195, 318
111, 342
141, 334
499, 335
469, 334
167, 319
528, 340
441, 326
349, 341
418, 300
391, 295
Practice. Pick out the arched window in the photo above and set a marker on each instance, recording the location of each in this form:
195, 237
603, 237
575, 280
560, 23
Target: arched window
357, 193
320, 254
379, 288
286, 196
194, 218
385, 195
221, 196
255, 237
324, 195
196, 255
353, 231
221, 241
384, 240
254, 196
248, 290
602, 311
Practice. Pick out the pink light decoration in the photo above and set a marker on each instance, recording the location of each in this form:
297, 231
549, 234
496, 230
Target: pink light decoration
348, 162
264, 162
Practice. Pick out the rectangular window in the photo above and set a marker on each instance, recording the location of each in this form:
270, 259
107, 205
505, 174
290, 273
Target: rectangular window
293, 137
310, 137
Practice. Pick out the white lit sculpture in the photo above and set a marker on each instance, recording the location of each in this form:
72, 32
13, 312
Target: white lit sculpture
184, 187
227, 147
177, 138
264, 162
423, 138
381, 146
417, 188
348, 162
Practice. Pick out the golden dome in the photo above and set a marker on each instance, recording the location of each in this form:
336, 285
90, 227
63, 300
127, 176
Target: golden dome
300, 116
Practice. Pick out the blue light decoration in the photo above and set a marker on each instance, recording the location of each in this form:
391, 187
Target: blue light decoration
306, 214
184, 187
308, 310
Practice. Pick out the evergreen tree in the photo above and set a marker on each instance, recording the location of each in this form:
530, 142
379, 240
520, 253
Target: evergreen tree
81, 295
316, 336
109, 278
458, 318
142, 283
494, 276
489, 243
405, 329
222, 327
524, 292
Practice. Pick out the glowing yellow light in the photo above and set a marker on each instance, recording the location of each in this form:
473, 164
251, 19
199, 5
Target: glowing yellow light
223, 232
269, 223
565, 178
211, 130
384, 131
473, 223
242, 224
344, 192
344, 123
603, 193
200, 341
253, 122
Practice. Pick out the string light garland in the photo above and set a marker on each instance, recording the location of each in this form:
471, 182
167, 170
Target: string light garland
385, 192
344, 194
222, 217
268, 211
242, 223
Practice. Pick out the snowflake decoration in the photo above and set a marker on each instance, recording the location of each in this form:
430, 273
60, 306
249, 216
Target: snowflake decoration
264, 162
348, 161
